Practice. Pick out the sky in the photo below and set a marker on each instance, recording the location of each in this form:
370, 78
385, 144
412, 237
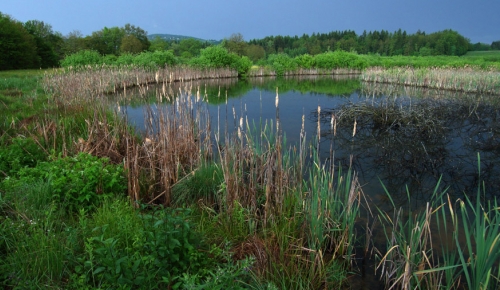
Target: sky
477, 20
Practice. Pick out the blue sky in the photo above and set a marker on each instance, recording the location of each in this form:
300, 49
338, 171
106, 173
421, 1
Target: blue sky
217, 19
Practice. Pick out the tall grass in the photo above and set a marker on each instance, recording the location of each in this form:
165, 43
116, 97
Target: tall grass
463, 80
468, 253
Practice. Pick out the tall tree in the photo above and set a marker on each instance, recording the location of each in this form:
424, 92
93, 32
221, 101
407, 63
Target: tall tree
130, 44
138, 33
17, 45
235, 44
495, 45
74, 42
48, 44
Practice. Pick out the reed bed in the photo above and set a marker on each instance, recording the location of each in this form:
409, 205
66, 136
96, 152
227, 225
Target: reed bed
464, 80
267, 71
95, 81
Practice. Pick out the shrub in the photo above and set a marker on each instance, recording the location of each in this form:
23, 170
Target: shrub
77, 182
82, 58
241, 64
109, 59
339, 59
125, 59
21, 153
305, 61
155, 59
141, 251
282, 63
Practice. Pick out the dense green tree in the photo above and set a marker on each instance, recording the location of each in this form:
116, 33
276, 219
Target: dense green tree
479, 46
139, 33
189, 47
73, 42
235, 44
495, 45
159, 43
48, 44
255, 52
17, 45
130, 44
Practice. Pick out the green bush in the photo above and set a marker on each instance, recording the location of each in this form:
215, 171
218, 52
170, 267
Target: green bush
339, 59
20, 153
305, 61
282, 63
127, 249
216, 57
241, 64
77, 182
155, 59
82, 58
109, 59
125, 59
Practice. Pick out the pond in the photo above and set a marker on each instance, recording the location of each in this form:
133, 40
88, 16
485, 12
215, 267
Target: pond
403, 140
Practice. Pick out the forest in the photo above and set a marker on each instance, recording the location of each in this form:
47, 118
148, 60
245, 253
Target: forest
34, 44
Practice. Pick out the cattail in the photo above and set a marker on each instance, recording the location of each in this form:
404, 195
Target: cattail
277, 97
354, 129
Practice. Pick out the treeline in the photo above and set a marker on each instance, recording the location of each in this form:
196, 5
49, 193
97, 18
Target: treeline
34, 44
446, 42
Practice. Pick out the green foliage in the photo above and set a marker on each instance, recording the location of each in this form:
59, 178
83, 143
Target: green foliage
215, 56
339, 59
82, 58
130, 44
204, 183
305, 61
17, 45
33, 246
495, 45
125, 59
77, 182
282, 63
48, 43
159, 43
218, 57
20, 153
155, 59
143, 251
241, 64
232, 275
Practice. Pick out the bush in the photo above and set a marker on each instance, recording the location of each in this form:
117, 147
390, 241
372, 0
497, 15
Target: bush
82, 58
77, 182
339, 59
155, 59
125, 59
305, 61
124, 248
282, 63
21, 153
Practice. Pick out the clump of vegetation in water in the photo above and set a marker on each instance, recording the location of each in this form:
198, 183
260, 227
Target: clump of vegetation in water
463, 80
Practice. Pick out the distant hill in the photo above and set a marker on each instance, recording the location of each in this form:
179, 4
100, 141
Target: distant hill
171, 37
